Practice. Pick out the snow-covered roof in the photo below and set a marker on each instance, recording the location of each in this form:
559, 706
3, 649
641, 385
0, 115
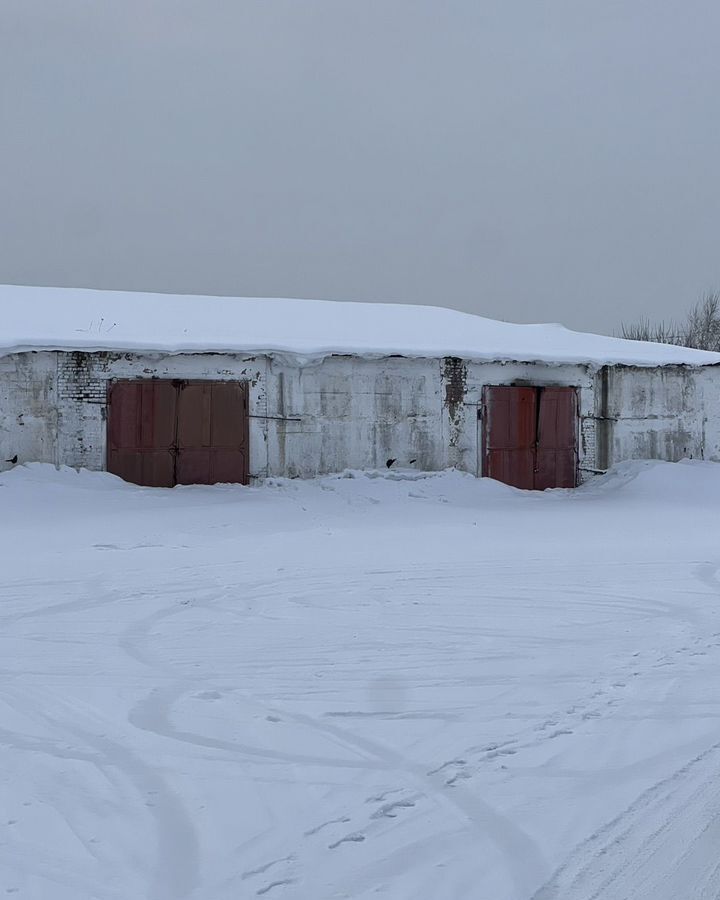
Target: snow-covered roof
40, 318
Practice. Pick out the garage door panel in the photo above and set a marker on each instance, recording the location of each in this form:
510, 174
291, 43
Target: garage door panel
158, 468
229, 414
211, 466
556, 469
509, 429
194, 411
556, 464
513, 467
557, 420
141, 415
124, 419
229, 466
511, 415
150, 468
193, 466
127, 464
158, 400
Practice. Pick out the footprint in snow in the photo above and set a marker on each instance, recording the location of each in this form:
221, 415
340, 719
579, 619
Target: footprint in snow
500, 751
354, 838
495, 745
559, 733
378, 798
549, 723
462, 775
262, 869
317, 828
389, 810
274, 884
446, 765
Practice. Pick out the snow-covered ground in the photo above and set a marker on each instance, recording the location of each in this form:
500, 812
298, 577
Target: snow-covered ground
421, 688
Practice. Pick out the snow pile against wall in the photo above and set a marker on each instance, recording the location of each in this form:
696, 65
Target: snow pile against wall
37, 318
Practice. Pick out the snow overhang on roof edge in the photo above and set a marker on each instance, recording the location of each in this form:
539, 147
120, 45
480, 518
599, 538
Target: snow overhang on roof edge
301, 331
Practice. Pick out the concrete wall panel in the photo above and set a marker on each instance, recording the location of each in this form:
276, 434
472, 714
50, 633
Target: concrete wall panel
28, 408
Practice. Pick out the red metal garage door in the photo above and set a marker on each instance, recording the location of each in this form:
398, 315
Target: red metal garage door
162, 433
212, 433
510, 426
556, 462
529, 437
141, 432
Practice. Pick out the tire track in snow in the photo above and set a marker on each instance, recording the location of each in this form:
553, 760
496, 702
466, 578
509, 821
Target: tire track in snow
45, 867
95, 596
152, 715
176, 866
176, 863
663, 847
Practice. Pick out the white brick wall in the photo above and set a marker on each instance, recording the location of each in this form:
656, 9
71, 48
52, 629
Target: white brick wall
82, 394
588, 447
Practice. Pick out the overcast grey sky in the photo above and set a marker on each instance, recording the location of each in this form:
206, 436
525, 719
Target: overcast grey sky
533, 160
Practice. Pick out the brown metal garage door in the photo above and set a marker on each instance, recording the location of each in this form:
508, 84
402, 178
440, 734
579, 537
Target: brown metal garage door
529, 437
162, 433
556, 459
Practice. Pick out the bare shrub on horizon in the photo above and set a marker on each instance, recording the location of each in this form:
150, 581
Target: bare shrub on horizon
700, 329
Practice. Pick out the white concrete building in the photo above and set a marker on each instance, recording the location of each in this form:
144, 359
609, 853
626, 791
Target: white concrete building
163, 390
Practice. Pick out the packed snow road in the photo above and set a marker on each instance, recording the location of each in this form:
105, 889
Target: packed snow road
419, 688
